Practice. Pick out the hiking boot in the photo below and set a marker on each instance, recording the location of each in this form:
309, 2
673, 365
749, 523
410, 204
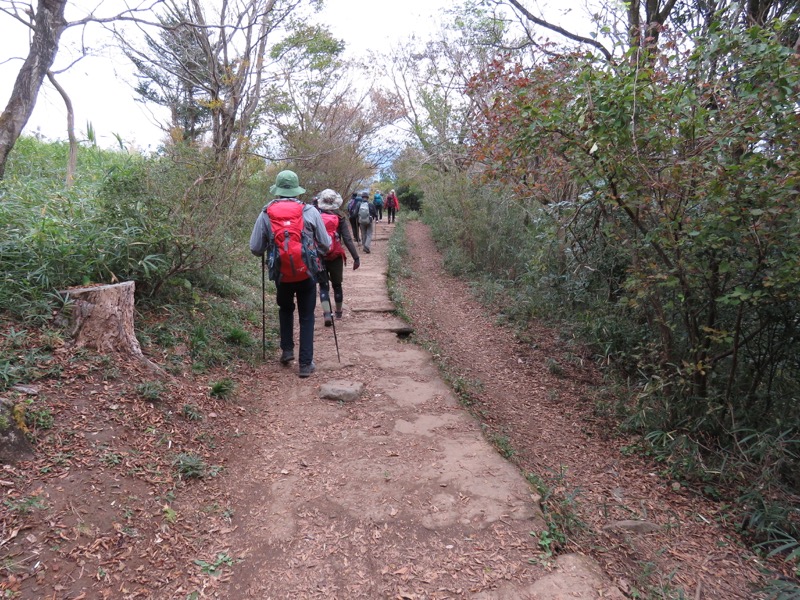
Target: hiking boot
367, 250
338, 314
328, 318
287, 356
307, 370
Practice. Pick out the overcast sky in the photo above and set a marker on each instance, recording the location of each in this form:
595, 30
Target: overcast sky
101, 86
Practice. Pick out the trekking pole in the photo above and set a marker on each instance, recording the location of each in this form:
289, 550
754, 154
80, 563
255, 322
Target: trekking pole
263, 309
335, 339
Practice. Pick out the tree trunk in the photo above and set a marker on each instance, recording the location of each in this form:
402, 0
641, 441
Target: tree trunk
102, 318
48, 25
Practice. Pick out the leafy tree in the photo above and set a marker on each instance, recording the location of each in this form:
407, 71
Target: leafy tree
210, 68
319, 121
170, 71
688, 167
428, 86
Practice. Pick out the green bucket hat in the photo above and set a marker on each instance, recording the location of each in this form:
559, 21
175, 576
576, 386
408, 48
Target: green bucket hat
287, 185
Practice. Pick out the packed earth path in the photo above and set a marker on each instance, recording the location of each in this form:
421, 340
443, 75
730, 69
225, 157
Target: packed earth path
545, 405
399, 493
385, 489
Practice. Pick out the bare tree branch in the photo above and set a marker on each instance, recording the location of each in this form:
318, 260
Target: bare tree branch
560, 30
73, 143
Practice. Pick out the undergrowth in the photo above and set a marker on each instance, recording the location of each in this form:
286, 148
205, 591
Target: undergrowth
198, 295
397, 259
204, 333
519, 265
559, 509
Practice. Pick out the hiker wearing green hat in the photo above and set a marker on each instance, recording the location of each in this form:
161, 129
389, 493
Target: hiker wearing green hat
294, 239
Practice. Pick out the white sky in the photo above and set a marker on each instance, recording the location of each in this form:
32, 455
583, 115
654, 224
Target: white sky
101, 86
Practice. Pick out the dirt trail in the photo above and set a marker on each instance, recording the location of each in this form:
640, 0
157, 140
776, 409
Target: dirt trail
278, 493
541, 398
394, 495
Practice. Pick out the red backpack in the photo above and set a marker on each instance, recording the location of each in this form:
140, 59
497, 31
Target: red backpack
290, 257
332, 227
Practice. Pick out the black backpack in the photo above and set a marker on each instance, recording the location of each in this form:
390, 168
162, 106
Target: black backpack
352, 208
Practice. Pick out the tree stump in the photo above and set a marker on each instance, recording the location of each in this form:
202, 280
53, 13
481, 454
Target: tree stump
102, 318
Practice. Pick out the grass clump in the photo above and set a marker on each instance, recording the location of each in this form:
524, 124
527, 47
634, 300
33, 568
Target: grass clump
189, 466
560, 511
25, 506
239, 337
501, 442
214, 567
21, 365
39, 417
223, 388
152, 391
191, 412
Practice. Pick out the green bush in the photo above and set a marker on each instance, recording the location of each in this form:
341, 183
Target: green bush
53, 237
223, 388
152, 391
190, 465
654, 205
653, 208
127, 217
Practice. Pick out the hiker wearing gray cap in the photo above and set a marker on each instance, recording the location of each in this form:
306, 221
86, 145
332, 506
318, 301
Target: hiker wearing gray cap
367, 215
335, 260
294, 239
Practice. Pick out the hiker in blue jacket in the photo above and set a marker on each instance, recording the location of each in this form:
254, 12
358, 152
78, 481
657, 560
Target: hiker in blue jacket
377, 200
294, 267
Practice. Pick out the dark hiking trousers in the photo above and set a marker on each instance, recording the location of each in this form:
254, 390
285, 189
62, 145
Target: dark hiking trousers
306, 294
354, 227
335, 270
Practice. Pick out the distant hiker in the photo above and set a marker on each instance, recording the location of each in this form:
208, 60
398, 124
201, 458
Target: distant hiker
338, 229
352, 212
378, 202
392, 205
294, 237
366, 215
